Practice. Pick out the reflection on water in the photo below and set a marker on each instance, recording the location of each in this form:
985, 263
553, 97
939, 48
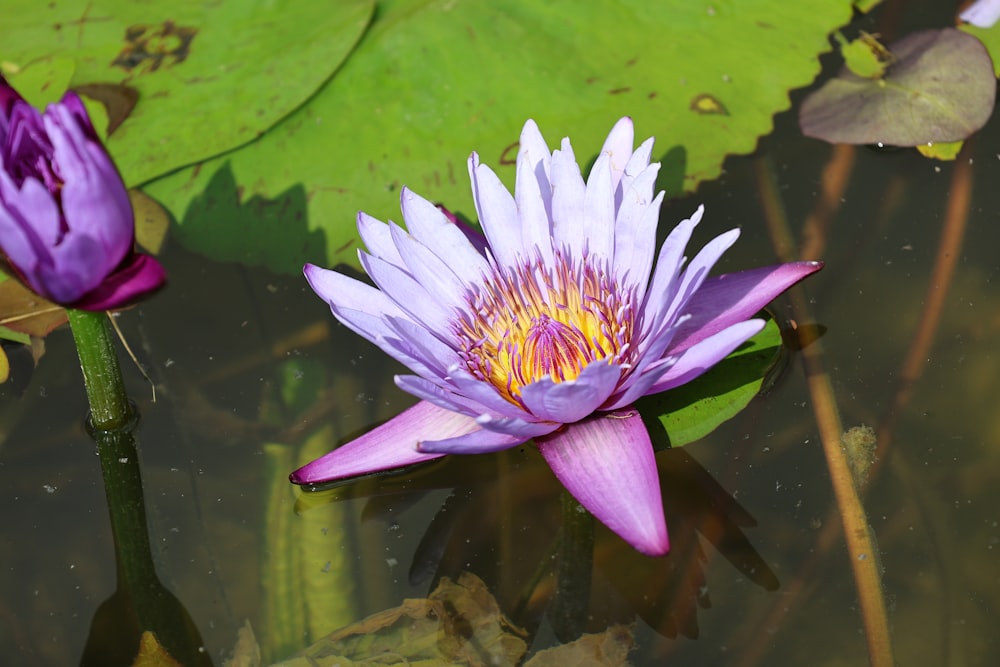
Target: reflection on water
218, 344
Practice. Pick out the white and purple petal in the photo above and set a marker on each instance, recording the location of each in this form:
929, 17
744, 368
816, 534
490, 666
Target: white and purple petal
598, 223
533, 193
521, 428
407, 293
378, 239
429, 270
347, 293
568, 191
666, 274
724, 300
568, 402
635, 231
497, 213
429, 225
478, 442
696, 272
704, 354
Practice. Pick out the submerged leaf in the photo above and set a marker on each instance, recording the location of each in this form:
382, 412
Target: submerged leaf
460, 623
246, 652
940, 88
25, 312
605, 649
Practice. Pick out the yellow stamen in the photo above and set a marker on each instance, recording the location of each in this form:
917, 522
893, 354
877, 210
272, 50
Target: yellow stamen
541, 320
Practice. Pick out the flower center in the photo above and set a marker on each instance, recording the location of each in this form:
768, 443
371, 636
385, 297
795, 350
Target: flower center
537, 320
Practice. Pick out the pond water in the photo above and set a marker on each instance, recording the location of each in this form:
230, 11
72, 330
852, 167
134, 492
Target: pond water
758, 574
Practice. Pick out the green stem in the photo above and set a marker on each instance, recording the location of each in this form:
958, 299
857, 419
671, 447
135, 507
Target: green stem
576, 563
109, 405
142, 602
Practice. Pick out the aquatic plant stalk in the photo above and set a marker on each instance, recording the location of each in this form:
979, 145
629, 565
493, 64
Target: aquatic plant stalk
109, 405
141, 597
949, 250
860, 544
571, 606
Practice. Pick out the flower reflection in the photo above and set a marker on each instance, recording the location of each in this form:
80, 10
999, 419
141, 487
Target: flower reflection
513, 541
551, 331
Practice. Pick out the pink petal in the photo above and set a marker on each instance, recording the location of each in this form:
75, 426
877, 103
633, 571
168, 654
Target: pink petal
607, 464
391, 445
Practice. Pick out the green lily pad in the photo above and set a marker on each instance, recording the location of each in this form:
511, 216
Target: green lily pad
210, 76
44, 82
940, 87
433, 80
690, 412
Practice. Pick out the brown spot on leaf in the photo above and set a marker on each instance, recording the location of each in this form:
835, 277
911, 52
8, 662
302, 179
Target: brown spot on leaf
619, 91
148, 47
509, 154
708, 105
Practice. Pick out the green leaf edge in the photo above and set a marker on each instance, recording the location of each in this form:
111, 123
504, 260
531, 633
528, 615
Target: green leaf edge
688, 413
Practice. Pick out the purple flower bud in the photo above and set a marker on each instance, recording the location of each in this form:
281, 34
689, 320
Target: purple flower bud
66, 225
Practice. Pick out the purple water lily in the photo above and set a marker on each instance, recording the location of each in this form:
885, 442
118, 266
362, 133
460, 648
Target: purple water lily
550, 329
66, 225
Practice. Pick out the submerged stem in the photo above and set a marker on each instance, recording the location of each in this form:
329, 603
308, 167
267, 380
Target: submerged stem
576, 563
860, 543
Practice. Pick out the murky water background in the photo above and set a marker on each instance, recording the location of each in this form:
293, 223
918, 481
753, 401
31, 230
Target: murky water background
218, 341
